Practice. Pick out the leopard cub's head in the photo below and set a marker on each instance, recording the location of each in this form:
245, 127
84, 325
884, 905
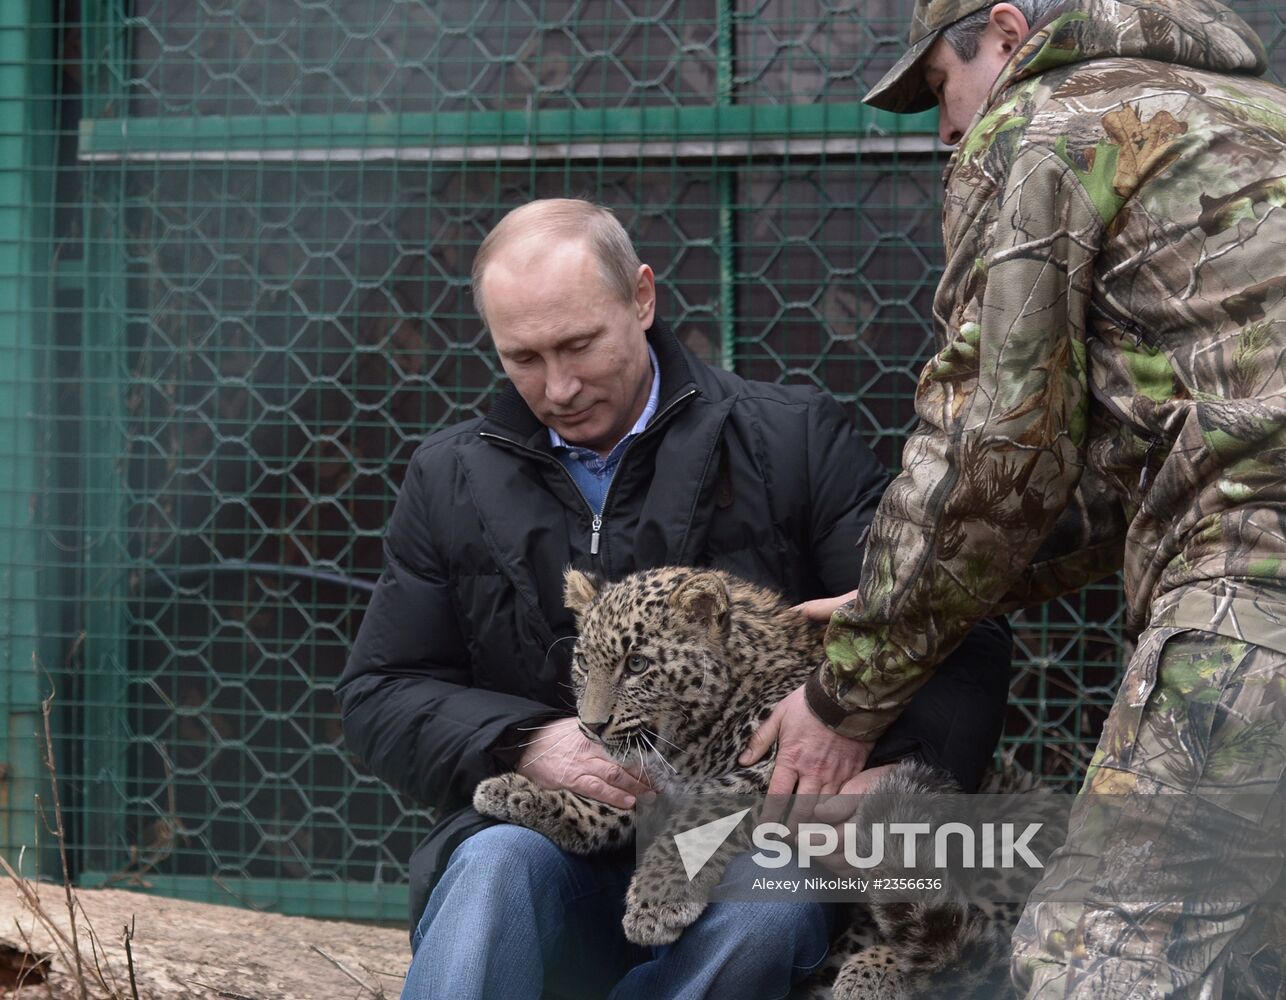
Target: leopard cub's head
651, 666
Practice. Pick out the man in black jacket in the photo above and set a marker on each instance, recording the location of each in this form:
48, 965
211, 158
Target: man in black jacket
614, 449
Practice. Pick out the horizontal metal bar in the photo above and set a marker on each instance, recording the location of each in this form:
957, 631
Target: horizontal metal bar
295, 897
728, 150
616, 133
186, 576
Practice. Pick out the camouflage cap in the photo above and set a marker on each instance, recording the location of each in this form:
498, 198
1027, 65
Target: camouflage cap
902, 88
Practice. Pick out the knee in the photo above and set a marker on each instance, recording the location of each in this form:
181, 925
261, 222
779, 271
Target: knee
505, 853
791, 935
768, 931
494, 875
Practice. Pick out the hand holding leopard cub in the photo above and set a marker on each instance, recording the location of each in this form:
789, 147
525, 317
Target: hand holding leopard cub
560, 755
674, 670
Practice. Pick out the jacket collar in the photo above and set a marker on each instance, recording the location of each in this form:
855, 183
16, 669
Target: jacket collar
512, 418
1198, 34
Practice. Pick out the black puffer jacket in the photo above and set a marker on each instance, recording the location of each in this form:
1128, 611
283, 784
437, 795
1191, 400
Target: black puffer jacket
460, 641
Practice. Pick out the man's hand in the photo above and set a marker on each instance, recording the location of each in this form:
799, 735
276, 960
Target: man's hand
846, 806
812, 759
821, 609
561, 756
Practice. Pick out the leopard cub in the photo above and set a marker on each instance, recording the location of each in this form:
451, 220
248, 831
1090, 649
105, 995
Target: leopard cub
674, 669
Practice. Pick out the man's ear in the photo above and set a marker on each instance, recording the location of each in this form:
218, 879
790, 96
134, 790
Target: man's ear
703, 599
645, 296
1008, 26
579, 590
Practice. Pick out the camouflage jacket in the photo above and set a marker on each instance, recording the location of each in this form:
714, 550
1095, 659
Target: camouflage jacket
1110, 383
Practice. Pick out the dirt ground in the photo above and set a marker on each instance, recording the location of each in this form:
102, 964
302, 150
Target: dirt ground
188, 951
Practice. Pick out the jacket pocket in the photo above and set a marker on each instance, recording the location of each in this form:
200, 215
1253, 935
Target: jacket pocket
510, 646
1203, 714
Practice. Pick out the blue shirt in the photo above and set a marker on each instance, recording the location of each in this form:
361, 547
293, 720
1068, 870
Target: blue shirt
593, 473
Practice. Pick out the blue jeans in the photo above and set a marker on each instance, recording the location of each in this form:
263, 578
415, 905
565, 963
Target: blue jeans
516, 917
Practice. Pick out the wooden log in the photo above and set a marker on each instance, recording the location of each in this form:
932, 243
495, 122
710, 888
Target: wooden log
182, 950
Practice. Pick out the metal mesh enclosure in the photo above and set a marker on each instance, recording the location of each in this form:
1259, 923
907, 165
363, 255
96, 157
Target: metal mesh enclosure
242, 302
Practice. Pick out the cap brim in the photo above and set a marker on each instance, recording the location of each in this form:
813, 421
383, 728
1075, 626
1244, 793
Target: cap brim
902, 89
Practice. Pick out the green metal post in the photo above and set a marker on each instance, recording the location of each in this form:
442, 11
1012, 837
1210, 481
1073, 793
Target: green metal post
102, 737
26, 143
727, 196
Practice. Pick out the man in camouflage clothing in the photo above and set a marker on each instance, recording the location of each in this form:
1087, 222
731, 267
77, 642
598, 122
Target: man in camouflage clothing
1109, 390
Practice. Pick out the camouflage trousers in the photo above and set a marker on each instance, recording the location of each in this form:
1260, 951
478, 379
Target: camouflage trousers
1170, 882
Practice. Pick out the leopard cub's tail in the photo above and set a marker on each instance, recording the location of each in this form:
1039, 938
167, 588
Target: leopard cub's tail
941, 943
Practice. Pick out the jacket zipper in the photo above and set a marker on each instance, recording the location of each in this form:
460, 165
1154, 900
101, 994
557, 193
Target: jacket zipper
1123, 418
597, 519
1138, 333
596, 526
562, 468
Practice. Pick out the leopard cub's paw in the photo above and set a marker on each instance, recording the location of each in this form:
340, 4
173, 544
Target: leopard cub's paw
871, 974
510, 797
647, 922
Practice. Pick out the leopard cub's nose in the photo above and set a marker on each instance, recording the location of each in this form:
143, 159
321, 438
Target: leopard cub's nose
594, 730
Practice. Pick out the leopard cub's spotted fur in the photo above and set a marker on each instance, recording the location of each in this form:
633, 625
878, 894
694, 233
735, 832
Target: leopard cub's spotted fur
675, 668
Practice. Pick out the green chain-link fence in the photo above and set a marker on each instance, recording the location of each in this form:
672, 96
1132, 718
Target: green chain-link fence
242, 233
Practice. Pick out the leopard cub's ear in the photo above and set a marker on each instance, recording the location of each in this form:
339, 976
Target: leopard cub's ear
703, 599
579, 590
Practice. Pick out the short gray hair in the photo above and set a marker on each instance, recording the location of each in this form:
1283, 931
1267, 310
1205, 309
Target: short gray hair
556, 219
964, 34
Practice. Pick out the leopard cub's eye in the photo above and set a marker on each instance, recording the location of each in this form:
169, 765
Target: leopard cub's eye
636, 663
